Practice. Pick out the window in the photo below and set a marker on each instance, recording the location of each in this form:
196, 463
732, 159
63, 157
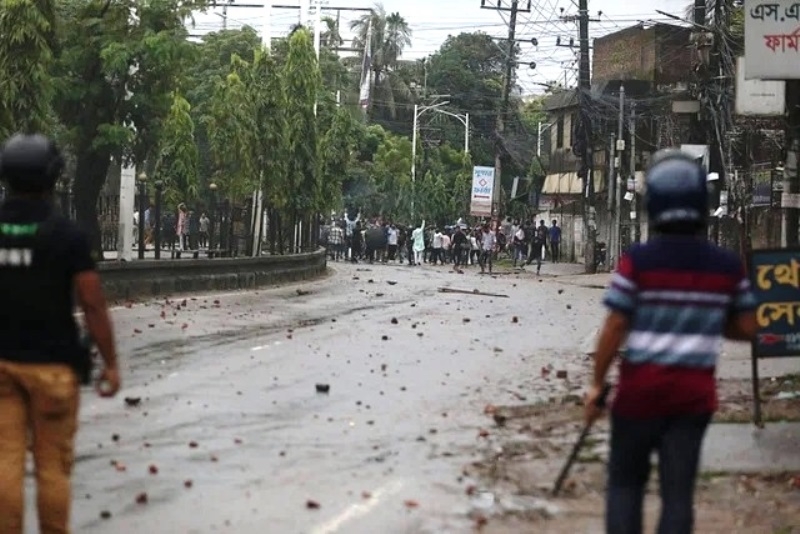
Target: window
560, 132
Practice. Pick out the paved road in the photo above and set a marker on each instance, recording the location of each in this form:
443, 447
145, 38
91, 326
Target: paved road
228, 402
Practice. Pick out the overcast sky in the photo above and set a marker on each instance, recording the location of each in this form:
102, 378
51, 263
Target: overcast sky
432, 21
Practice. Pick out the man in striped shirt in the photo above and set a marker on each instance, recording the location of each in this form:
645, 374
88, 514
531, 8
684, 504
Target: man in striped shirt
675, 298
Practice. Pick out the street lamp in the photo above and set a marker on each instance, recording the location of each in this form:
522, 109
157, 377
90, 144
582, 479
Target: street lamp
157, 217
463, 119
142, 207
418, 111
213, 188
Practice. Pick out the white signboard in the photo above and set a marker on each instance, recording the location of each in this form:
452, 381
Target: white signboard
482, 191
772, 40
758, 97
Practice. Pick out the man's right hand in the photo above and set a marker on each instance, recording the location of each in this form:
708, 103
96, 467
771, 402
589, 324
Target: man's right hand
109, 382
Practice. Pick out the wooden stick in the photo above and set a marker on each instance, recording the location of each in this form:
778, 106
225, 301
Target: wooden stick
473, 292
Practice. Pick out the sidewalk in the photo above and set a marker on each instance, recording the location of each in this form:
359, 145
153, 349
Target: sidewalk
150, 254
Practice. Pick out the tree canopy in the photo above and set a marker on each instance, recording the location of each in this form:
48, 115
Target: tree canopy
123, 82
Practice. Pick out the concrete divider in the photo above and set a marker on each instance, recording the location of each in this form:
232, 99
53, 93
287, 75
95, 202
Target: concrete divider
147, 278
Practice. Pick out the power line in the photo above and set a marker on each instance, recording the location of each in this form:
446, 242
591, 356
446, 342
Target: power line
511, 62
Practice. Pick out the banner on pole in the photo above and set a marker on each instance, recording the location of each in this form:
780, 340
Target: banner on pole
482, 191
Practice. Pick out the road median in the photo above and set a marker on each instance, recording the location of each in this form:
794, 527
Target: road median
148, 278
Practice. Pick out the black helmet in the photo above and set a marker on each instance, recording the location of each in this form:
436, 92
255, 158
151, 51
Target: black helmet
30, 163
677, 191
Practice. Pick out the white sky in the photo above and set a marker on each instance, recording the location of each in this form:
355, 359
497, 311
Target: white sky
432, 21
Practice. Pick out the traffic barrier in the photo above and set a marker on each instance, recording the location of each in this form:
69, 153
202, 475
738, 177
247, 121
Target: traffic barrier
148, 278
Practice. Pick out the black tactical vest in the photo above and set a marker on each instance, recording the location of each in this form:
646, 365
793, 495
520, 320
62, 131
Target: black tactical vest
36, 307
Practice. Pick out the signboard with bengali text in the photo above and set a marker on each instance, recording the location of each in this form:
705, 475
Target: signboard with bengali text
772, 40
482, 192
775, 277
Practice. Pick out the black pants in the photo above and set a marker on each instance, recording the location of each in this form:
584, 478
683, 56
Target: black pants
459, 256
536, 254
485, 260
678, 441
392, 252
555, 250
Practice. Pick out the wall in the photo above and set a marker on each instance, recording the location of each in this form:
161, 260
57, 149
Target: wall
675, 55
147, 278
625, 55
659, 54
571, 222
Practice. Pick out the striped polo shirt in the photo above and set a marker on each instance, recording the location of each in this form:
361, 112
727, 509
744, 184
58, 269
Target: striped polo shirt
678, 293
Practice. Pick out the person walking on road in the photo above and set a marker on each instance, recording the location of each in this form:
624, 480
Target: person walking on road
418, 237
460, 249
555, 241
44, 260
673, 299
488, 245
538, 246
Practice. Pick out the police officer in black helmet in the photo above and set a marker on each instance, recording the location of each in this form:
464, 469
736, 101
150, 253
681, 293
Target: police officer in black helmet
44, 261
671, 301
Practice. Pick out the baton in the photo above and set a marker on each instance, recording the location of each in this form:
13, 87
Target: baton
601, 403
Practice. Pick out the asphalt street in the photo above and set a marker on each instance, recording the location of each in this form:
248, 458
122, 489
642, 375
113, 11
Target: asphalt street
220, 427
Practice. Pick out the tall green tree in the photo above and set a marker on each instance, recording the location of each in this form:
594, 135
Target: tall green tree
470, 67
301, 86
336, 150
267, 96
177, 162
27, 31
119, 62
209, 67
233, 133
391, 35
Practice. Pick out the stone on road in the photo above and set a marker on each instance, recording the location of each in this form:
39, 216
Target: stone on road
240, 441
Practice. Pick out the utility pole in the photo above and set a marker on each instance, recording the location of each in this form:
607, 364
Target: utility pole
618, 182
583, 148
225, 16
635, 203
507, 84
612, 180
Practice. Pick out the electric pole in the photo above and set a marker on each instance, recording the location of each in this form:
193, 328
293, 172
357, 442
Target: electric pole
620, 151
583, 146
502, 116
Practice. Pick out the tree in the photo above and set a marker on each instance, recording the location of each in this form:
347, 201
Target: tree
470, 67
27, 28
177, 161
233, 133
301, 86
210, 65
267, 94
391, 34
119, 63
336, 150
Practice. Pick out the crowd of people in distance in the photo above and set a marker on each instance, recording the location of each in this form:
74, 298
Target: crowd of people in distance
459, 244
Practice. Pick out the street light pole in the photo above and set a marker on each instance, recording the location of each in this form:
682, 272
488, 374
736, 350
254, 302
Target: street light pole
418, 111
157, 218
214, 216
463, 119
466, 134
414, 159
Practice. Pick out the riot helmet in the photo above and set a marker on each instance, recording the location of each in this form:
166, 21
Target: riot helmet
676, 192
30, 163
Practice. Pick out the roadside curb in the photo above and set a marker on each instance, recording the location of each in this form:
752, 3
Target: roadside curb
150, 278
